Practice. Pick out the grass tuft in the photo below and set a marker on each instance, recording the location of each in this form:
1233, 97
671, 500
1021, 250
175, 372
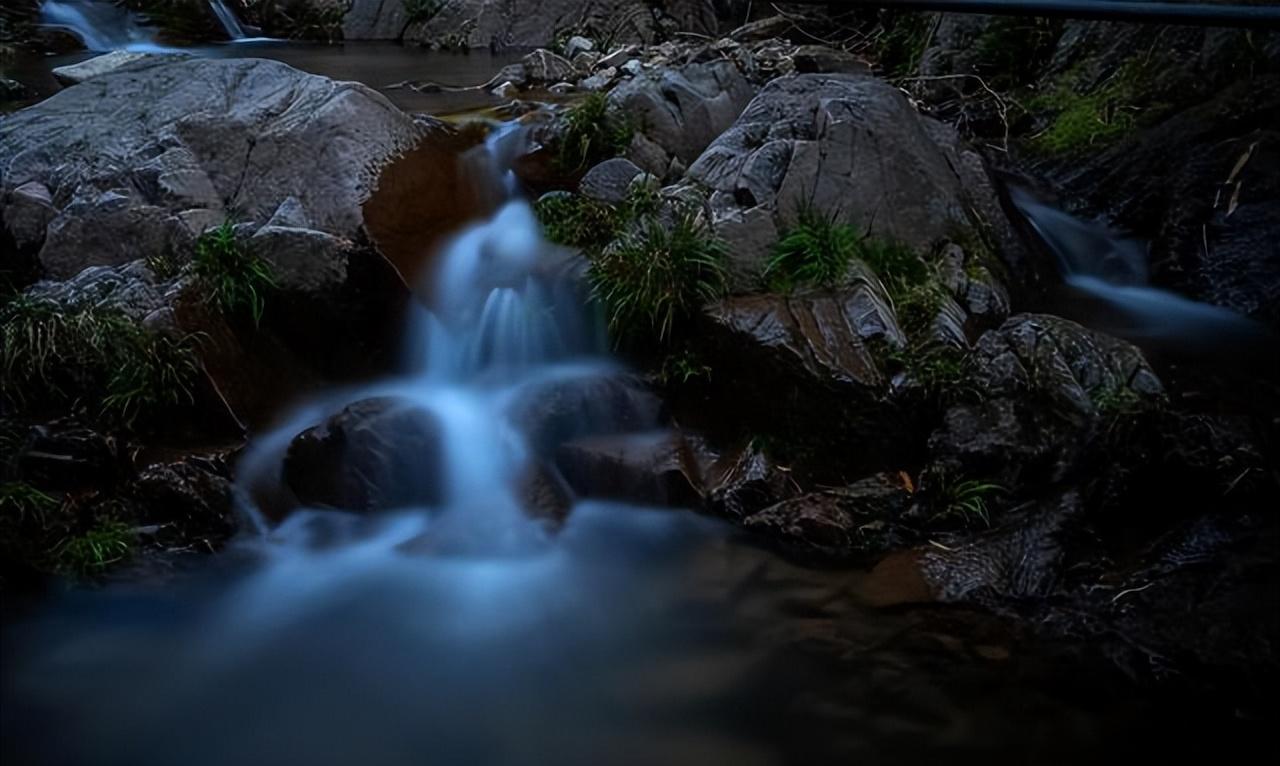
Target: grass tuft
93, 552
652, 277
592, 134
237, 278
817, 250
968, 500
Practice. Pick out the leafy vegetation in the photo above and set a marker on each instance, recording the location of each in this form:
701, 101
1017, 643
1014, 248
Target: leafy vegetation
654, 275
902, 40
967, 500
682, 367
91, 357
577, 221
94, 551
237, 278
817, 250
592, 133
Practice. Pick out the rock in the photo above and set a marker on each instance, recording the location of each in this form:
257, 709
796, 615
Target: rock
682, 110
547, 67
191, 499
805, 366
609, 181
11, 90
656, 469
632, 67
543, 493
744, 481
181, 139
849, 146
374, 455
64, 455
837, 524
303, 260
131, 289
115, 61
578, 45
558, 411
618, 57
820, 59
27, 213
501, 24
599, 81
1047, 385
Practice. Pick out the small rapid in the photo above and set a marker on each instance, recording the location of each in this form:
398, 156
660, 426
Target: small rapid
101, 26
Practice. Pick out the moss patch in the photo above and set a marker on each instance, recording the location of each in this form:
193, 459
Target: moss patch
1084, 117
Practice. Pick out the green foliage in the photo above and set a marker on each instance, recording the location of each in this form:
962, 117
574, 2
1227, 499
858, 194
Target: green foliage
21, 503
592, 134
916, 305
94, 551
817, 250
1085, 117
902, 40
942, 372
88, 355
237, 278
653, 275
682, 367
576, 221
967, 501
1013, 50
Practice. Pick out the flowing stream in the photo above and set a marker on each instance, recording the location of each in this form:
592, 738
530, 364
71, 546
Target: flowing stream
227, 17
101, 26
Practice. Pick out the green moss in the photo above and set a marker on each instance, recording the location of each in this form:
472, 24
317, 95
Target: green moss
1085, 117
654, 276
90, 358
592, 133
236, 278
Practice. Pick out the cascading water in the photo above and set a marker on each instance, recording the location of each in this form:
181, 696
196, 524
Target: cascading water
227, 17
101, 26
1107, 277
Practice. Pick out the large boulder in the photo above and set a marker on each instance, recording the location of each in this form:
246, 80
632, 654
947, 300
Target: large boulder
178, 146
679, 111
849, 146
1046, 386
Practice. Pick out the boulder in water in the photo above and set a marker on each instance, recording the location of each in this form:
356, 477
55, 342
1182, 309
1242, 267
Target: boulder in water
837, 524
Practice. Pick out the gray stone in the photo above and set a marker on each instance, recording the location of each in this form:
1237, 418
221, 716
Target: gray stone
114, 61
610, 180
578, 44
27, 214
599, 81
544, 66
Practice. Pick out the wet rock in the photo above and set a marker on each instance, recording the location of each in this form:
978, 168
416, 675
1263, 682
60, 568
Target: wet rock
547, 67
837, 524
11, 90
610, 180
558, 411
190, 500
658, 469
805, 366
849, 146
543, 493
114, 61
1047, 385
683, 109
743, 481
66, 456
375, 455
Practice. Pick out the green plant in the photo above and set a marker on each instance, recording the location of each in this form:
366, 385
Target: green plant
967, 500
902, 40
1089, 116
816, 250
682, 367
653, 276
94, 551
942, 372
60, 355
592, 133
1013, 50
21, 503
416, 12
237, 278
576, 221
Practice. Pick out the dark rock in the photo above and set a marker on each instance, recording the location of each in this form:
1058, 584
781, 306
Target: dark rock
553, 413
543, 493
1046, 384
11, 90
850, 522
819, 59
848, 146
374, 455
67, 456
610, 180
744, 481
659, 469
191, 501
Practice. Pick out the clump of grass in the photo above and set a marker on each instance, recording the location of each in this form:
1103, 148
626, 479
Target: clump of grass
92, 357
1116, 401
93, 552
237, 278
576, 221
681, 367
21, 503
817, 250
942, 372
653, 276
592, 134
966, 500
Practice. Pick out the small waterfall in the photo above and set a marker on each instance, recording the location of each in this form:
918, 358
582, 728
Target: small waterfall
1107, 279
102, 26
227, 17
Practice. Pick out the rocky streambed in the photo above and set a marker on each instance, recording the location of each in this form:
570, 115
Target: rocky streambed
939, 518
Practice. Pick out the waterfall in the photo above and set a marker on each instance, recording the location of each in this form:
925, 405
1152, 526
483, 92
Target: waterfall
227, 17
102, 26
1107, 278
